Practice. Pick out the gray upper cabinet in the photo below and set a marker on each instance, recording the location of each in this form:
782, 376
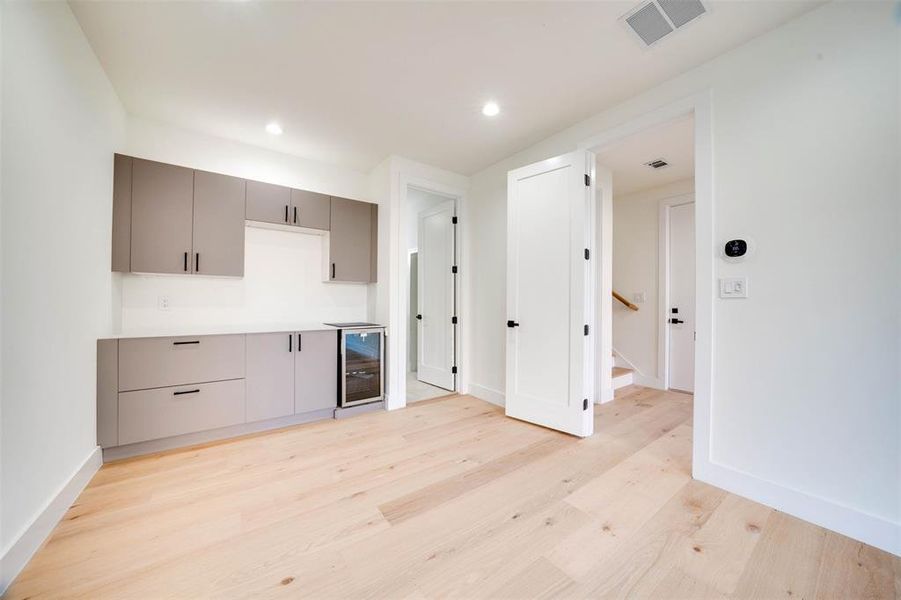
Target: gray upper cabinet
270, 375
122, 166
309, 209
218, 224
162, 199
350, 241
268, 203
316, 371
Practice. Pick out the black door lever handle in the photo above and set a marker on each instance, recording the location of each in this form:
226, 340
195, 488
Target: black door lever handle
419, 317
512, 324
676, 321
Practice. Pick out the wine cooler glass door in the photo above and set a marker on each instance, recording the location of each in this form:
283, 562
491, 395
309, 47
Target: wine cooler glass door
363, 355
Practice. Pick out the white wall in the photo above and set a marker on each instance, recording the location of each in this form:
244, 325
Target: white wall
282, 280
61, 124
806, 155
635, 269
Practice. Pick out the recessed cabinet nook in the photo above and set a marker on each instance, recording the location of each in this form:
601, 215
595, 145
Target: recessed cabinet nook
172, 219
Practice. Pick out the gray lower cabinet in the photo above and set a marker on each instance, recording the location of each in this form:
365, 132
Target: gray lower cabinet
164, 361
165, 412
218, 224
268, 203
350, 241
316, 371
270, 375
162, 200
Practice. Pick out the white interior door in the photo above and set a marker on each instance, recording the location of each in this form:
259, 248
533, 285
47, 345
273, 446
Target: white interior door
548, 229
435, 357
681, 315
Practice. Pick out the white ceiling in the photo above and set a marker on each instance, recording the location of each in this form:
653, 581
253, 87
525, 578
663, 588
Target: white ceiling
673, 142
353, 82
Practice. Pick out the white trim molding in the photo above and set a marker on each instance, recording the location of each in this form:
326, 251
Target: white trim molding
488, 394
22, 549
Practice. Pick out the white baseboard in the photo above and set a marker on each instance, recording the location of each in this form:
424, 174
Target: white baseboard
651, 382
864, 527
20, 551
487, 394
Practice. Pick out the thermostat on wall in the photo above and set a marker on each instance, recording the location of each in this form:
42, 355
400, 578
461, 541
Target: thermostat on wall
736, 249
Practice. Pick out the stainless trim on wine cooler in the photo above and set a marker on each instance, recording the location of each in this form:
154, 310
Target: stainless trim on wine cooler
362, 368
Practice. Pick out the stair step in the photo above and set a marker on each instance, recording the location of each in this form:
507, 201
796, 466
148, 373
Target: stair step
621, 377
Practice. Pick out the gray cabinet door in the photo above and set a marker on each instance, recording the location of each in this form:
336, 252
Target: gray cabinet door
350, 240
122, 213
316, 371
218, 224
309, 209
162, 199
268, 203
270, 375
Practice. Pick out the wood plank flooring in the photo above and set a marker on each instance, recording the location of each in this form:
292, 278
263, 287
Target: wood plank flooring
445, 499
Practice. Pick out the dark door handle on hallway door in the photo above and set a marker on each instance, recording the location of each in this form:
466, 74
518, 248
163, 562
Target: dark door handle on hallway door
512, 324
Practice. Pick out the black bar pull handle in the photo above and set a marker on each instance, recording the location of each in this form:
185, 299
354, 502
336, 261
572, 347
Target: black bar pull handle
290, 343
185, 343
286, 213
186, 262
512, 324
182, 392
299, 346
295, 214
197, 263
333, 270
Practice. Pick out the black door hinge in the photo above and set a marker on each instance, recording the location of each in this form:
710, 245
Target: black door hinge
587, 254
454, 320
454, 269
454, 369
587, 180
586, 330
454, 220
585, 404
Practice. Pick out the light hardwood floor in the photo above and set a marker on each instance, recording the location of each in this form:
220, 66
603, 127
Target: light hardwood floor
447, 498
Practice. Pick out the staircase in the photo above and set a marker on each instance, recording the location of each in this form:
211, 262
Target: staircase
621, 377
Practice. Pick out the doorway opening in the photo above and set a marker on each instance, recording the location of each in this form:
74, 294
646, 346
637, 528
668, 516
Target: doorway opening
431, 246
652, 247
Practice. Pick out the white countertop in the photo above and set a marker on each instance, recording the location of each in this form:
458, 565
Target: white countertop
227, 329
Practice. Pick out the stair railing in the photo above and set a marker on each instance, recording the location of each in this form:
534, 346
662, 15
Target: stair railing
628, 304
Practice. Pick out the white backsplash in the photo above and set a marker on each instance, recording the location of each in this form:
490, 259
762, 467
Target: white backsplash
282, 283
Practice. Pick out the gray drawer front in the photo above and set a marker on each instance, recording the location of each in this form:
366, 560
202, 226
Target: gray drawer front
157, 362
164, 412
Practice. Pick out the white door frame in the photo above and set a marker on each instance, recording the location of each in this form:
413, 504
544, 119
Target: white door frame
700, 106
663, 303
663, 283
401, 287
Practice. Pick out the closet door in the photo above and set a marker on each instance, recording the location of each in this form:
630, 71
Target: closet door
218, 224
162, 201
268, 203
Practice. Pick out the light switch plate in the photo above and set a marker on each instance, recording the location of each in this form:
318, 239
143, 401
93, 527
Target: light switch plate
733, 287
639, 297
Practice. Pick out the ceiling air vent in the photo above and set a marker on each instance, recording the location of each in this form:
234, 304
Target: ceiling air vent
654, 20
657, 164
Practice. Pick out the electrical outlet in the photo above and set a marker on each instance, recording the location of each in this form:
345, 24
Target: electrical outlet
162, 303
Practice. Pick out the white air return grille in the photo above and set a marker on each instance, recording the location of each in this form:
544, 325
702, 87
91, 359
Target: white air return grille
681, 12
656, 19
648, 22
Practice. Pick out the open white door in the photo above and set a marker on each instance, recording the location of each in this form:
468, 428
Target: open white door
548, 231
435, 344
681, 317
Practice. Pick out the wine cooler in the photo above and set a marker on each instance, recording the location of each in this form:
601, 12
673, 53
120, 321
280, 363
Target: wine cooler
362, 375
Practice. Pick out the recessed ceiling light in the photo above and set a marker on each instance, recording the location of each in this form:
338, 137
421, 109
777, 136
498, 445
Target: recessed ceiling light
491, 109
274, 128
